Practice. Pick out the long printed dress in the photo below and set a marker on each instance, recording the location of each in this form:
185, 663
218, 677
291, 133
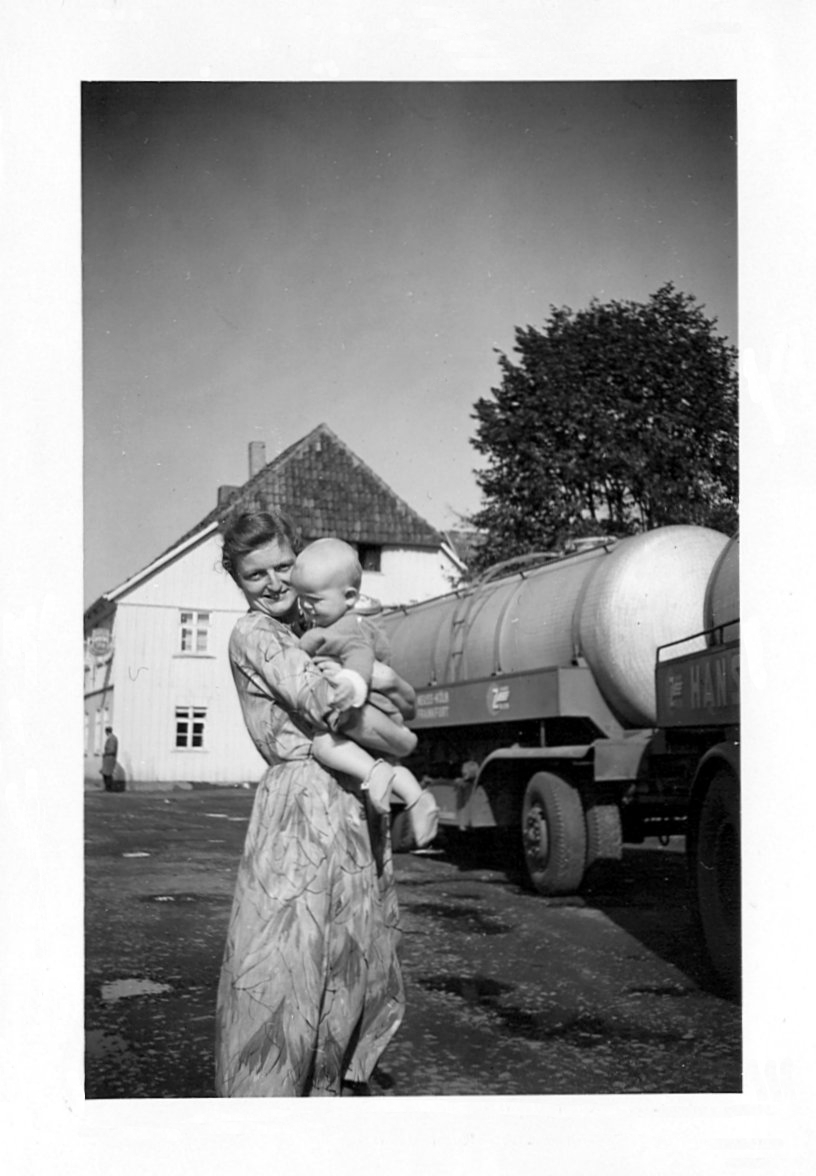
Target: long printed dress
311, 990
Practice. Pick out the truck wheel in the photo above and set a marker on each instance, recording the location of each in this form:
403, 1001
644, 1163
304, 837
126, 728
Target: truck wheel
553, 835
604, 838
717, 876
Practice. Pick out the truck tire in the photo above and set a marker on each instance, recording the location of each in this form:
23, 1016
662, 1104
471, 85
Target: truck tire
717, 876
604, 837
553, 832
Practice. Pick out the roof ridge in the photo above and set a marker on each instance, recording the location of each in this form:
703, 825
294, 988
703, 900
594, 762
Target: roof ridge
373, 474
285, 456
423, 532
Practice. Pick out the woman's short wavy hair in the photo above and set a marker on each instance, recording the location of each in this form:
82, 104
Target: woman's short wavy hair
252, 525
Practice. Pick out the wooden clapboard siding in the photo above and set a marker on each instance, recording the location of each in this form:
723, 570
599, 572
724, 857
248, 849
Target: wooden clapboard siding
408, 574
194, 580
153, 677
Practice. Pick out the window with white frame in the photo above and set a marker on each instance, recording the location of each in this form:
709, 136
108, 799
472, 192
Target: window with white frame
190, 723
194, 631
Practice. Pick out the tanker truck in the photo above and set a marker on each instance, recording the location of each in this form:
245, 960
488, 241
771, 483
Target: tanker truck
581, 701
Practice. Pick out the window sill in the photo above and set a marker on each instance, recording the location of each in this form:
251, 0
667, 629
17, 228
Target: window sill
196, 656
188, 750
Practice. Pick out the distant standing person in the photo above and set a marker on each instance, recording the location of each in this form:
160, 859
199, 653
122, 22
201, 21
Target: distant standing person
109, 754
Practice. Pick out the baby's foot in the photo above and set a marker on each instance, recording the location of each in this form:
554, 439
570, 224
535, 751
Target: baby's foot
378, 785
424, 817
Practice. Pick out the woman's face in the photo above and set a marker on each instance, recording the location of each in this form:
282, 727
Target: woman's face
263, 577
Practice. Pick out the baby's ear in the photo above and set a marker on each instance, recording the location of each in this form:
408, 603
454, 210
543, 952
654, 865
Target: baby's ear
351, 596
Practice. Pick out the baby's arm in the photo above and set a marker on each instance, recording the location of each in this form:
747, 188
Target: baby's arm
346, 642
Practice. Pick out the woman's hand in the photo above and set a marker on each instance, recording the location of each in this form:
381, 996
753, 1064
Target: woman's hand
387, 681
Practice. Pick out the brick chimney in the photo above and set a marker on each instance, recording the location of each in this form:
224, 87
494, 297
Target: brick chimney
257, 457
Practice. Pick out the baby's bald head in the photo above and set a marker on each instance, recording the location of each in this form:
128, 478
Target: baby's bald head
328, 563
326, 576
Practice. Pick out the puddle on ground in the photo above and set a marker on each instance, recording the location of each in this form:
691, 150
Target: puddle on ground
138, 853
186, 897
98, 1043
132, 986
478, 989
574, 1027
470, 916
662, 990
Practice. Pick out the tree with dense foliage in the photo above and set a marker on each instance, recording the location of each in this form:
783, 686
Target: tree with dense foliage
615, 419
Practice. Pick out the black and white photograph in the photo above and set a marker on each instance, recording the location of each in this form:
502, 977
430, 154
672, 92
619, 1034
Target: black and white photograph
415, 414
476, 344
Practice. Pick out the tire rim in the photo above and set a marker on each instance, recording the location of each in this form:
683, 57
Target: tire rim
536, 837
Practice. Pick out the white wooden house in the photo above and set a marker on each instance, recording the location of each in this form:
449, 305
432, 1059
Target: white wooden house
156, 667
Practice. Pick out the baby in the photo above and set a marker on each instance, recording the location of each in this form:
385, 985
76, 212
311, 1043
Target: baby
326, 576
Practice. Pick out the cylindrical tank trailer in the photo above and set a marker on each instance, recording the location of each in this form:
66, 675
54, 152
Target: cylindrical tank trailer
610, 606
585, 701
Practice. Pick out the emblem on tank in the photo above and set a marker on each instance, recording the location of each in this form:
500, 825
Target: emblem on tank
498, 698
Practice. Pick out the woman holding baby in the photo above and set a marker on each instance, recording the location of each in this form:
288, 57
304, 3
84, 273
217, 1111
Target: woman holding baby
311, 990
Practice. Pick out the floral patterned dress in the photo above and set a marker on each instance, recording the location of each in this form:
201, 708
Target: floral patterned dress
311, 990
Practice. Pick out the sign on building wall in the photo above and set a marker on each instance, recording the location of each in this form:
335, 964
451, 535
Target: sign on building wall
100, 644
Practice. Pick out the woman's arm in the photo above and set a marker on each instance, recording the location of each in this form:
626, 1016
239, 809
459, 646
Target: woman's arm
268, 655
387, 681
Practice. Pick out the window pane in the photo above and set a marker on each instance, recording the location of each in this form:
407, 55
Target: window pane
190, 726
201, 641
186, 618
182, 725
369, 556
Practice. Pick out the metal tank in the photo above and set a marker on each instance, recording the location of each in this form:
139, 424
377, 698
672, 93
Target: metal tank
722, 603
610, 605
650, 591
520, 622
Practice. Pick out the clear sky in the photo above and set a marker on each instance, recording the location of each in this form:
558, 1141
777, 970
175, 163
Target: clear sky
261, 257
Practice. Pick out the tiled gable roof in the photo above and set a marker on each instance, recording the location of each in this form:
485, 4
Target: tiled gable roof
327, 490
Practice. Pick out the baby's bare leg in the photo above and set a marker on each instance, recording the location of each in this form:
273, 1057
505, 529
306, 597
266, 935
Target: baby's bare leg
341, 755
376, 731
